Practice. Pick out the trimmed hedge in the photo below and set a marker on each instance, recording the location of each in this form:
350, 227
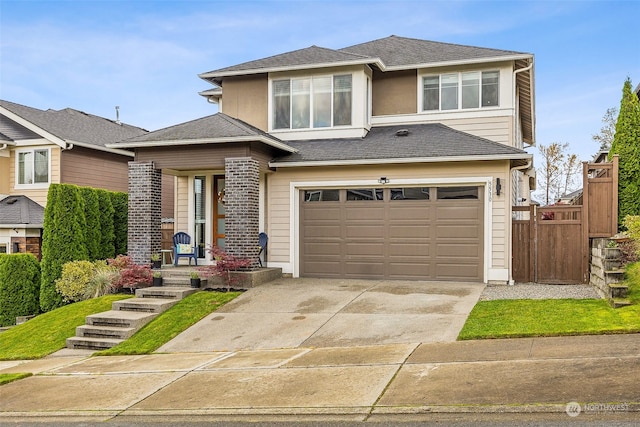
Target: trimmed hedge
19, 287
63, 239
120, 202
92, 217
107, 234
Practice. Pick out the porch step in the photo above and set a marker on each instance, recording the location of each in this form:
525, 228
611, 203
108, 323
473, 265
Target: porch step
618, 290
620, 302
614, 276
92, 343
146, 305
90, 331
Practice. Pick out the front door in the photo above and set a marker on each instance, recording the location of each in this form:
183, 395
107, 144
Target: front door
218, 211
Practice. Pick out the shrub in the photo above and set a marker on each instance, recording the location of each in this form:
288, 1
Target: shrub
75, 279
102, 283
224, 266
130, 275
107, 234
92, 218
631, 249
63, 239
120, 202
19, 287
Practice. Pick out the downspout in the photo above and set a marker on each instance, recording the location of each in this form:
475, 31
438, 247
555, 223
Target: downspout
3, 146
515, 168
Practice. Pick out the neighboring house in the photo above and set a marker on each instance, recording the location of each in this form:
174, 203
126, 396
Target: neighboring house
38, 148
397, 158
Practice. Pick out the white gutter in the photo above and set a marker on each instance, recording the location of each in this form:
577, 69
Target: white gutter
224, 140
529, 157
43, 133
100, 148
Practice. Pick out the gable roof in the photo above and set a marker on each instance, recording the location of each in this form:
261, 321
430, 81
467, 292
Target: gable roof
432, 142
21, 210
67, 126
217, 128
388, 53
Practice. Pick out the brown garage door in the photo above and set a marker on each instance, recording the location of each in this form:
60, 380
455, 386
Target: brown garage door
433, 233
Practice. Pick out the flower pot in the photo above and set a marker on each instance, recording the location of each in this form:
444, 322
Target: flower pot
157, 281
156, 264
195, 283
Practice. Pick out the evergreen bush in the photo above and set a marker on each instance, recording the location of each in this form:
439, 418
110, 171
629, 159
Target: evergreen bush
19, 287
63, 239
107, 234
74, 280
92, 217
120, 202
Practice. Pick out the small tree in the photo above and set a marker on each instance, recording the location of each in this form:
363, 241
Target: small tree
120, 217
63, 239
559, 171
626, 144
224, 267
608, 129
92, 217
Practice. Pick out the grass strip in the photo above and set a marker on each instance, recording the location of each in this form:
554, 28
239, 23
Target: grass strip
172, 322
48, 332
551, 317
7, 378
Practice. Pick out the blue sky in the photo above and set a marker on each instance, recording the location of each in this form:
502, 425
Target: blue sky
144, 55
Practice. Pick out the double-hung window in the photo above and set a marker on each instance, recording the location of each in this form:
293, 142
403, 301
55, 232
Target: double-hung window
32, 167
455, 91
312, 102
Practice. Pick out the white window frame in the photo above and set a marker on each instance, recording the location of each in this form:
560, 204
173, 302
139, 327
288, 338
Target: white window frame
310, 78
38, 185
459, 89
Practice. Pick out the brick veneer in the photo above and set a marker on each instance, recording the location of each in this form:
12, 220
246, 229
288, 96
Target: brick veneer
145, 211
242, 187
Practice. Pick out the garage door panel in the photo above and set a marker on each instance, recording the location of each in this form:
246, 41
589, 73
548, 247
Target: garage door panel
458, 232
395, 239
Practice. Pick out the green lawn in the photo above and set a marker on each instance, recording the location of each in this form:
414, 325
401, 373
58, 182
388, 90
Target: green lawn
529, 318
7, 378
171, 323
48, 332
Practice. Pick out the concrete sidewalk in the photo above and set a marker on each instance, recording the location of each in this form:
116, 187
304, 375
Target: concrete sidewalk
537, 375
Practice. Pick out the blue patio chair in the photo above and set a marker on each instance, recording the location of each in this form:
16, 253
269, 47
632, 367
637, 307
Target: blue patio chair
182, 248
263, 239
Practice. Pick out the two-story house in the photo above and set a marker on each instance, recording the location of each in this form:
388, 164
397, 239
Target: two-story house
41, 147
397, 158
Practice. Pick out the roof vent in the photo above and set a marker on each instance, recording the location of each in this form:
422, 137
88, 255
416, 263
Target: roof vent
402, 132
11, 201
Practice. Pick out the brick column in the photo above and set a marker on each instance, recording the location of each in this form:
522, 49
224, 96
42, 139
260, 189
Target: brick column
242, 186
145, 214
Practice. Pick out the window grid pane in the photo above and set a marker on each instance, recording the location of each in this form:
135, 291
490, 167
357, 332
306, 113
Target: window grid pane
24, 168
471, 90
449, 92
281, 104
342, 100
431, 93
490, 88
41, 166
300, 103
321, 102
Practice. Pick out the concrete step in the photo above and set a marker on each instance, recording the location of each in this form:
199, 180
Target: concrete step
146, 305
614, 276
90, 331
618, 290
165, 292
620, 302
120, 319
176, 281
92, 343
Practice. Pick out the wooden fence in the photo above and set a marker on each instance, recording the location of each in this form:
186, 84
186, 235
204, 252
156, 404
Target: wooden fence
551, 244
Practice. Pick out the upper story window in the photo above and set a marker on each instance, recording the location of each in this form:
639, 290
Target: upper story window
313, 102
32, 167
454, 91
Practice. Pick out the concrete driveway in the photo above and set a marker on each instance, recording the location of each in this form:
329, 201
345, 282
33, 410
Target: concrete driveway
289, 313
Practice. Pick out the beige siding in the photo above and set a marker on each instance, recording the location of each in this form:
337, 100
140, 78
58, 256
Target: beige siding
246, 98
182, 204
394, 93
90, 168
498, 129
4, 175
279, 195
37, 195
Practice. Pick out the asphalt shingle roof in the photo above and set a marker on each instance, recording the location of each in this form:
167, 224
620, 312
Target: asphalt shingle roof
73, 125
218, 125
394, 51
20, 210
424, 141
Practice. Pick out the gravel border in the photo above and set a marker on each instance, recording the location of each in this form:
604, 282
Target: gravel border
538, 291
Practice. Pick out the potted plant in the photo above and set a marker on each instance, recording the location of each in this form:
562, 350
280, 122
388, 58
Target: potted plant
155, 261
157, 278
195, 279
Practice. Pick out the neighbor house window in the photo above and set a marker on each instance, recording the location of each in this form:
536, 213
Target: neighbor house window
455, 91
33, 167
314, 102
